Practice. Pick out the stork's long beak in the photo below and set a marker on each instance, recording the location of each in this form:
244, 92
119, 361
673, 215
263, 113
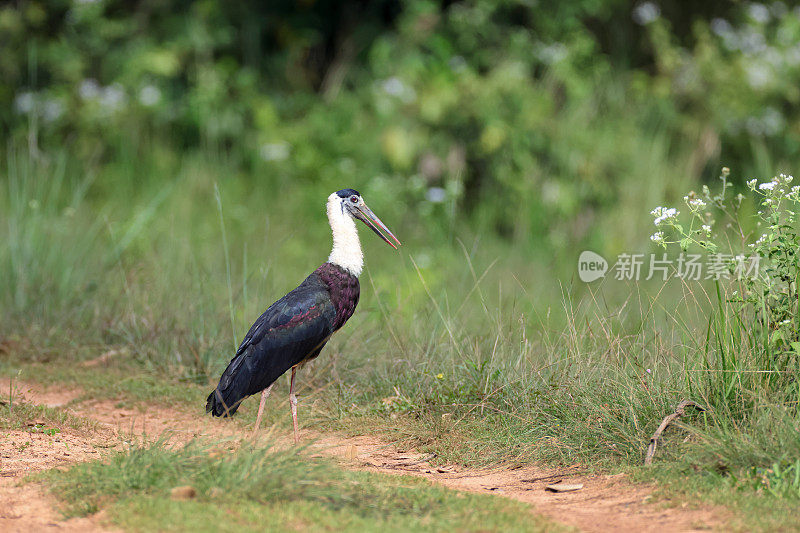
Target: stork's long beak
366, 215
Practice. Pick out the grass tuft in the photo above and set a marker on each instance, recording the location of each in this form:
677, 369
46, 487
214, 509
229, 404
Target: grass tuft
257, 488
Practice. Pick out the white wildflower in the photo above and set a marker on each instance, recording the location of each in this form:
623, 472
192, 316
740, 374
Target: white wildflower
751, 184
24, 102
663, 213
89, 89
52, 110
706, 229
722, 27
150, 95
645, 13
694, 203
758, 12
760, 240
436, 195
657, 237
768, 186
394, 86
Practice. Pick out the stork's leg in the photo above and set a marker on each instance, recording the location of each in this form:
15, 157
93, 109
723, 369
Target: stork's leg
264, 396
293, 402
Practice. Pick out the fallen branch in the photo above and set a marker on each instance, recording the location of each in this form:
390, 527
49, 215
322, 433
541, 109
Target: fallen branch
412, 463
679, 412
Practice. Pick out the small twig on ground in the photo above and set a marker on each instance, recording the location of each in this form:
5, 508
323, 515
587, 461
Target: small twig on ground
554, 476
679, 412
425, 458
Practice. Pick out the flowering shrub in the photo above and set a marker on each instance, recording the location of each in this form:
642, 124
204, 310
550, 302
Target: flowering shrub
760, 313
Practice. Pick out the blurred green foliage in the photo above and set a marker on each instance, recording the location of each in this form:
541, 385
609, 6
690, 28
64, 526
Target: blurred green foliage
529, 117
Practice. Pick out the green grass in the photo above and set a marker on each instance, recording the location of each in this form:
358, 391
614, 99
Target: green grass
39, 418
253, 489
121, 379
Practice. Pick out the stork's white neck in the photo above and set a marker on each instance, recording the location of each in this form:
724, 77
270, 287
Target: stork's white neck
346, 251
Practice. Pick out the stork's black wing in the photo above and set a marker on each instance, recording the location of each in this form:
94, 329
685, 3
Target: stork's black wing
293, 329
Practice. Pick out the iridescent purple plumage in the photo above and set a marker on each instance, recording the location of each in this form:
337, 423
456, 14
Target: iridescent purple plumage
344, 290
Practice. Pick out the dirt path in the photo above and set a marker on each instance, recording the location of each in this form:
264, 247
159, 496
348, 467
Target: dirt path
605, 503
26, 507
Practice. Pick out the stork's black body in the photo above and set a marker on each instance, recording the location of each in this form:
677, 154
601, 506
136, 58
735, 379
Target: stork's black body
291, 331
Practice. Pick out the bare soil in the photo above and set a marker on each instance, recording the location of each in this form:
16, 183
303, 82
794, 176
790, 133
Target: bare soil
605, 503
26, 507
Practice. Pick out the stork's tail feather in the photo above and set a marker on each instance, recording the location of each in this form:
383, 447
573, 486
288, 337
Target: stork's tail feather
217, 406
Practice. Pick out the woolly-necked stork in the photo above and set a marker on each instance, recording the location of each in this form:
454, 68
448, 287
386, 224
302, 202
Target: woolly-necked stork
294, 329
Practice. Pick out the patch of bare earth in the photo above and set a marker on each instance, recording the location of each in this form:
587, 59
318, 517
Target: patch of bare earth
604, 503
26, 507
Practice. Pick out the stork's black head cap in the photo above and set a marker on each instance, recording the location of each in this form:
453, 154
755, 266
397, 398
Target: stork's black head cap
344, 193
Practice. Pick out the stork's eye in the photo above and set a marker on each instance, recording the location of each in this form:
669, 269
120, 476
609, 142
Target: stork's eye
354, 199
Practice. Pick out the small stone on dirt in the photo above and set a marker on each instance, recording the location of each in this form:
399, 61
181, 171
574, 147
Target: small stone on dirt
564, 487
352, 453
186, 492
